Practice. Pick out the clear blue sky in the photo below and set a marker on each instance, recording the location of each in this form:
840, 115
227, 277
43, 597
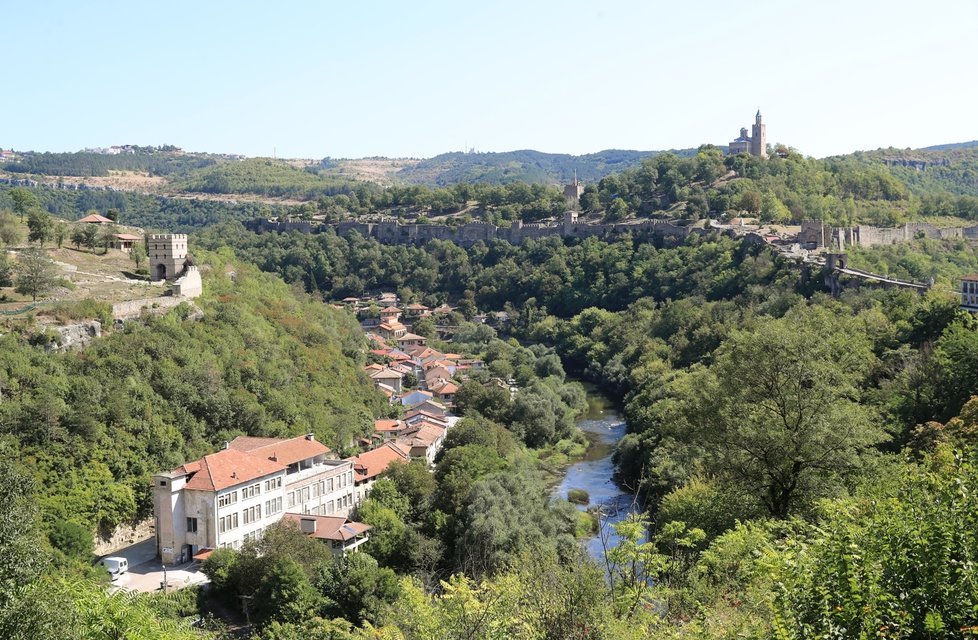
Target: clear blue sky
414, 79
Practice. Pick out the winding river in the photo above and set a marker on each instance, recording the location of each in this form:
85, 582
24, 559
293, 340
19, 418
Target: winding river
604, 427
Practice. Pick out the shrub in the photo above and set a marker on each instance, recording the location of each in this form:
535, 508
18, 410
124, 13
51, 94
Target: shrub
578, 496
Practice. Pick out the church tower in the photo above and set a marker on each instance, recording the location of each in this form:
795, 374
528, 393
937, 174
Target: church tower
758, 138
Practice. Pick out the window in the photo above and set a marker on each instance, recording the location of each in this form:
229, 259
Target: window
329, 484
251, 514
251, 492
315, 490
274, 483
191, 525
291, 499
273, 506
228, 522
305, 494
162, 483
331, 507
227, 498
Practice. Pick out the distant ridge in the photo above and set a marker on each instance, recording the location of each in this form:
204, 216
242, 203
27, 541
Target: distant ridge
951, 146
525, 165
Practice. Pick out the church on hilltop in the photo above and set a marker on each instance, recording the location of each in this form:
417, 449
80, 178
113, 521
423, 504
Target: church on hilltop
755, 144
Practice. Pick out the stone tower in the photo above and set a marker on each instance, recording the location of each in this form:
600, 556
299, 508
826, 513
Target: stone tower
167, 255
758, 138
572, 193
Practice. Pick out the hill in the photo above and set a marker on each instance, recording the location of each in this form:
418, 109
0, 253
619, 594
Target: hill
524, 166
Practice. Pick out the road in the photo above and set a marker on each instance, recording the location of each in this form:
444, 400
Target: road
146, 573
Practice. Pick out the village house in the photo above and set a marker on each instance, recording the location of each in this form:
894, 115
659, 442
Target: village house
94, 218
231, 496
423, 442
410, 340
388, 377
125, 241
390, 315
416, 310
389, 429
391, 330
368, 466
342, 534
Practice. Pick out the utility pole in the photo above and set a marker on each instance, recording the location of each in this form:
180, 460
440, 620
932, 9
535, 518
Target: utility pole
244, 605
163, 586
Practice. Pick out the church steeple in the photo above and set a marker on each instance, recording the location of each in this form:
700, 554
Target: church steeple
757, 118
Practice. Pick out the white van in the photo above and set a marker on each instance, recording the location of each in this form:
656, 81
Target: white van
115, 565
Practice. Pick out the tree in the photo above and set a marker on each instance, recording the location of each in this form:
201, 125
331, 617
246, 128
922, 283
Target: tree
20, 560
35, 272
90, 236
107, 236
60, 232
284, 593
72, 538
40, 227
6, 271
779, 414
138, 253
750, 201
9, 233
24, 201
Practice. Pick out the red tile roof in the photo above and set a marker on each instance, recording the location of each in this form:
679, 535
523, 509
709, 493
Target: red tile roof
285, 452
388, 425
330, 527
94, 217
230, 467
371, 464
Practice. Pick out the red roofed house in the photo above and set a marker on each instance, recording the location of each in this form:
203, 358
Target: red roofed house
344, 535
411, 340
368, 466
391, 330
390, 315
445, 392
95, 218
126, 241
424, 442
230, 497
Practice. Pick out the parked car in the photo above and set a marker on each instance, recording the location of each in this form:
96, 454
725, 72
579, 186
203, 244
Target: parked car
115, 565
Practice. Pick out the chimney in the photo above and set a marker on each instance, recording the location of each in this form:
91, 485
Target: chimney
311, 437
307, 525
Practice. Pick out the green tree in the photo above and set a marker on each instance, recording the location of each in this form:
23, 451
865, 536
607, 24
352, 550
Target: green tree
90, 236
72, 538
284, 593
40, 227
35, 272
779, 413
9, 233
138, 254
6, 271
24, 201
60, 232
20, 558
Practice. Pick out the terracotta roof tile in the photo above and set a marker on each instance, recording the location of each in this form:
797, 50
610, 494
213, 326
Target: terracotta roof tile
373, 463
230, 467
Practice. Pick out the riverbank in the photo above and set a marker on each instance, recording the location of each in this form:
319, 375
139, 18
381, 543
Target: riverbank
594, 472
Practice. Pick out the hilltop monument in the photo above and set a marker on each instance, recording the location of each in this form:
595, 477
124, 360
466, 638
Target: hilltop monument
754, 144
572, 193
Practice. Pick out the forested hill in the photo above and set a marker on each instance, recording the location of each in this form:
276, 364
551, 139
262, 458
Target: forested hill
166, 390
524, 166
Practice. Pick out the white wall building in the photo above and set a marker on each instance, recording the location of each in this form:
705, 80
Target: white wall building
231, 496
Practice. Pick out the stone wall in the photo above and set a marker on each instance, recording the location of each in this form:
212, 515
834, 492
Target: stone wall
134, 308
123, 536
391, 231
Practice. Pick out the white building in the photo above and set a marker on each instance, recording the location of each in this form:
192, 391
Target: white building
231, 496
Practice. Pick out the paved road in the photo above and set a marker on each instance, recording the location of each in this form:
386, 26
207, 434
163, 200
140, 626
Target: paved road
146, 573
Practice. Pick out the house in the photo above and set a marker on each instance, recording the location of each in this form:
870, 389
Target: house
390, 315
231, 496
416, 310
410, 340
388, 377
368, 466
389, 429
416, 398
95, 218
423, 442
391, 330
343, 535
125, 241
445, 393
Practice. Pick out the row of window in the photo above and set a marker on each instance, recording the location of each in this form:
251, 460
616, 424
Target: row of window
228, 522
273, 506
251, 514
249, 492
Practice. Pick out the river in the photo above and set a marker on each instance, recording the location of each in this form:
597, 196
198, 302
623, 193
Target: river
604, 427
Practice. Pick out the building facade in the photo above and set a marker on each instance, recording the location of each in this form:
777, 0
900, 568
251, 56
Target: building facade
754, 144
167, 253
230, 497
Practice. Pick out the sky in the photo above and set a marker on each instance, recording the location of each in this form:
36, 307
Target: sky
340, 79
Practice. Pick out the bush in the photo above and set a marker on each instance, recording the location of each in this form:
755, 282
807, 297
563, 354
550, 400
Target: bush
72, 538
578, 496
